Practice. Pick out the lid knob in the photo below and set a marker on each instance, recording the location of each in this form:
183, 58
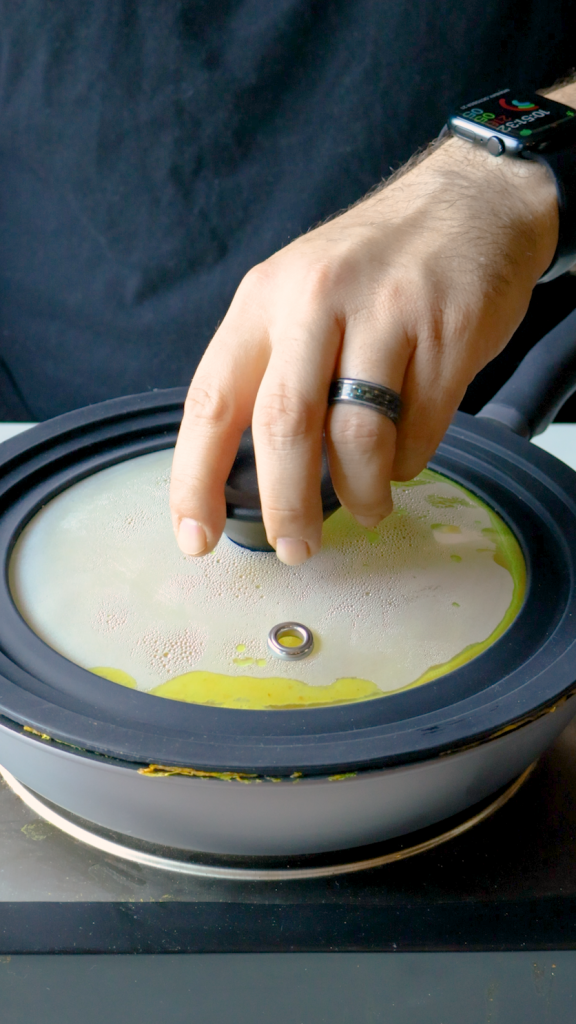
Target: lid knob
243, 509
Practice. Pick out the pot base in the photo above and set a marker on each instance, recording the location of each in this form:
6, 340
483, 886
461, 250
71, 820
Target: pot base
265, 869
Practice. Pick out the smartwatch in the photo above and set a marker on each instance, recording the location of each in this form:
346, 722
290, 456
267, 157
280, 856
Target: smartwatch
531, 127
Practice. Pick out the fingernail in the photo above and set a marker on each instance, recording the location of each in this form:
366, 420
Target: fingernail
369, 521
192, 537
292, 552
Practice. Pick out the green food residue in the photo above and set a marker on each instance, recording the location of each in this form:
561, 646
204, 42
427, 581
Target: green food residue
439, 501
116, 675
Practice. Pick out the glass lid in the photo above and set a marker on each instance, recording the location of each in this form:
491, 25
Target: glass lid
98, 576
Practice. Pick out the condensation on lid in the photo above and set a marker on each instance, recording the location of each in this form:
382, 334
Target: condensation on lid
98, 575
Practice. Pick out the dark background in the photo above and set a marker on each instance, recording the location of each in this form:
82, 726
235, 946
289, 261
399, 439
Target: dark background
152, 151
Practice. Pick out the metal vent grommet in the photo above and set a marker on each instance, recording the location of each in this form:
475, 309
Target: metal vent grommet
294, 630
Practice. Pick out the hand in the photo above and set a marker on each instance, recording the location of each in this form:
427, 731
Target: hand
417, 287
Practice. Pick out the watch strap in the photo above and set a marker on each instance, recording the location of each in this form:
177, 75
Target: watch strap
562, 164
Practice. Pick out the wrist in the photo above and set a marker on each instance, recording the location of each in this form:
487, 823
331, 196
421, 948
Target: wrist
542, 200
520, 194
564, 93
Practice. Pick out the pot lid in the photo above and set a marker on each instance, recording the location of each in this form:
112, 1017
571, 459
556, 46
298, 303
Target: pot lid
98, 576
523, 673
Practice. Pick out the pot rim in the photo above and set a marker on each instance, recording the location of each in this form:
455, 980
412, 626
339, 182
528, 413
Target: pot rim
529, 668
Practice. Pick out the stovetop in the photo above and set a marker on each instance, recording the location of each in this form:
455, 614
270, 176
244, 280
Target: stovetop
509, 883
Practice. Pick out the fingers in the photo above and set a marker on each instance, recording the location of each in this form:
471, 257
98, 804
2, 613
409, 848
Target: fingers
275, 371
282, 384
218, 409
434, 385
271, 363
287, 428
361, 442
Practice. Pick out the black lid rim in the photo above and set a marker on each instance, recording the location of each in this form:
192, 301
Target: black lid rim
530, 667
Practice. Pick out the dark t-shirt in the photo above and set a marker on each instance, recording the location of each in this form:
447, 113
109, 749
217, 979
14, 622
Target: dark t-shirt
151, 151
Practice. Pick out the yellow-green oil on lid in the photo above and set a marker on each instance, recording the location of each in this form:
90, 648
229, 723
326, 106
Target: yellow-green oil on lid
98, 575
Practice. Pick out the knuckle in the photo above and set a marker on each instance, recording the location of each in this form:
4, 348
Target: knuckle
276, 510
208, 405
311, 282
320, 282
281, 417
255, 281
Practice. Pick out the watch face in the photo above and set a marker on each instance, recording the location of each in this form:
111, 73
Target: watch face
526, 117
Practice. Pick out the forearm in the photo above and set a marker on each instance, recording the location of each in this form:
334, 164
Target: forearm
517, 195
563, 91
523, 191
416, 287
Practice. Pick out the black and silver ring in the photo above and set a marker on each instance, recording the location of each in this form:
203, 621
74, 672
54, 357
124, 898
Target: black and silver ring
362, 392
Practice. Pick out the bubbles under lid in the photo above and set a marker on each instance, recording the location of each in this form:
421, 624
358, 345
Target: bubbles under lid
98, 576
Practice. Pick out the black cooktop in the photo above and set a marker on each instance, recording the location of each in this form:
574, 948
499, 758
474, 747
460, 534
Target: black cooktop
508, 884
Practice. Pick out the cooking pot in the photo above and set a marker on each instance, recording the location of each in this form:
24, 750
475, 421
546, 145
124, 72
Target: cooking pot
316, 779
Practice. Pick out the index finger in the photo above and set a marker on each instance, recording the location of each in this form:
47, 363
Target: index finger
218, 409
